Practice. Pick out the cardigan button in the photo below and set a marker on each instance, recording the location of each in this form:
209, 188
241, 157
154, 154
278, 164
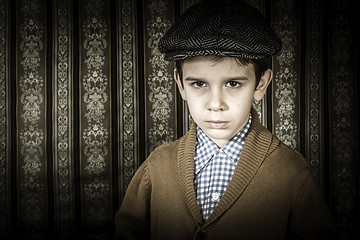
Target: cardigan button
201, 236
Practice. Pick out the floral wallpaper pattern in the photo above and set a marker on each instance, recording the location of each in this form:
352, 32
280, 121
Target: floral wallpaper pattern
31, 184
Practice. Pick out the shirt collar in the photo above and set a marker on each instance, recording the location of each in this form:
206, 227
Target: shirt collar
206, 148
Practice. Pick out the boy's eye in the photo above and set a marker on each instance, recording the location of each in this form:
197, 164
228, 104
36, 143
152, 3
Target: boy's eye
198, 84
233, 84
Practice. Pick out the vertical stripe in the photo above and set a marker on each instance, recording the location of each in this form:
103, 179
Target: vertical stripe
128, 104
160, 119
95, 118
62, 100
286, 69
31, 112
343, 118
313, 91
4, 122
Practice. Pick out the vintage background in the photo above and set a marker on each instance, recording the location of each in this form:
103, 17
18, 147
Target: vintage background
85, 96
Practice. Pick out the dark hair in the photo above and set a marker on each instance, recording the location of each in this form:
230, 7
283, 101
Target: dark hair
260, 65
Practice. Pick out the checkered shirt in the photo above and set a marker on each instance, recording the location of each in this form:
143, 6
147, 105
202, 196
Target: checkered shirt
214, 168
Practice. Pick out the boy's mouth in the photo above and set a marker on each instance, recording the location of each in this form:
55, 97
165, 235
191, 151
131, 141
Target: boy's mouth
217, 124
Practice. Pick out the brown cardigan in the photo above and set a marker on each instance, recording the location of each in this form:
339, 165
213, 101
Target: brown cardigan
271, 195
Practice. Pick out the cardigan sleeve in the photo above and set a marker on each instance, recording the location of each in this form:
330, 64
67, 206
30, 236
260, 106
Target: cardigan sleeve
132, 221
311, 218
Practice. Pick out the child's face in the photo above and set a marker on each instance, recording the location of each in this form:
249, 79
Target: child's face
219, 94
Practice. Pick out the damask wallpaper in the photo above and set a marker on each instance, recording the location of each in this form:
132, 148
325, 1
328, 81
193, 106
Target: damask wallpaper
85, 96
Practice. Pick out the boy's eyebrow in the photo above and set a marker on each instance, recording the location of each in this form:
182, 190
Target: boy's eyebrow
242, 78
193, 79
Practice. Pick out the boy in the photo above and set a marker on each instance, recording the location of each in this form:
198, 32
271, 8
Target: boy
228, 177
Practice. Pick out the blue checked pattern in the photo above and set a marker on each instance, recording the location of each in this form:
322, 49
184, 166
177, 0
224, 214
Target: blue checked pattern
215, 167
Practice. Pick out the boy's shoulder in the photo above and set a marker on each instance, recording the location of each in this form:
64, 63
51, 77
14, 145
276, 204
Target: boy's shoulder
166, 148
277, 153
289, 159
163, 161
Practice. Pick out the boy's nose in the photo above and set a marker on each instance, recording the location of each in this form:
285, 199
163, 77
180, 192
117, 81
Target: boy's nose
216, 102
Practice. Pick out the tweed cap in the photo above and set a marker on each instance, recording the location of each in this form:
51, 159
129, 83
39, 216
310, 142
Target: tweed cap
222, 28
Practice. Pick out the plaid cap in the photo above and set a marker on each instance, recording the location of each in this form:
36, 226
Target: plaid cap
230, 29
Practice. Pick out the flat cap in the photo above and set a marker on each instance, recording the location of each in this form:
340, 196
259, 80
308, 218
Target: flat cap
223, 28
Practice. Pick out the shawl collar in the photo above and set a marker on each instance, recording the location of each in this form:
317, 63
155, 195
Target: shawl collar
186, 172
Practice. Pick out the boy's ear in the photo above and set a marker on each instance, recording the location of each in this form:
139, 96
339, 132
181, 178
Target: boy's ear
263, 85
179, 84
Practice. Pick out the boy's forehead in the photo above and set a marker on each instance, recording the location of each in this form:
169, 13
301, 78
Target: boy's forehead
226, 65
215, 60
224, 29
